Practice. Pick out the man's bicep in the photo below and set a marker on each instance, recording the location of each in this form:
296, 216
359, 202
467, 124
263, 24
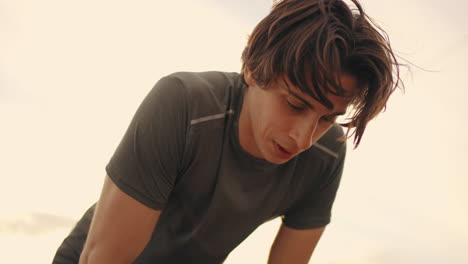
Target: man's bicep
141, 175
120, 229
294, 245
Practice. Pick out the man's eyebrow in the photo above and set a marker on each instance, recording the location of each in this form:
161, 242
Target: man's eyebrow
308, 104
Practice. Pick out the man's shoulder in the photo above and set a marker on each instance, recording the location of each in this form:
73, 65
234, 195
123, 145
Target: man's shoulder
333, 138
331, 145
209, 93
204, 80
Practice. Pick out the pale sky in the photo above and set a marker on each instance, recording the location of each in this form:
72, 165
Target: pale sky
73, 72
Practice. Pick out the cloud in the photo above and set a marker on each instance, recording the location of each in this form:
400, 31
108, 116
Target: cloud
34, 224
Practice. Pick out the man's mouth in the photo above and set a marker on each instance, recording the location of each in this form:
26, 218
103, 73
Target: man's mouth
283, 152
283, 149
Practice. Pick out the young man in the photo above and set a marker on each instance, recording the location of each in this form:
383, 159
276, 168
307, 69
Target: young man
208, 157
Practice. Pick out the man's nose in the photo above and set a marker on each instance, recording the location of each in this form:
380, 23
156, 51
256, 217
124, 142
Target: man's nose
303, 132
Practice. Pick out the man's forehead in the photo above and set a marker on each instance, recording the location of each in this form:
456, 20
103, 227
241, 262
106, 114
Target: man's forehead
339, 102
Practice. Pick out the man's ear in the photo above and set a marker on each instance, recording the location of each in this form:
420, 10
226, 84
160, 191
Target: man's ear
248, 77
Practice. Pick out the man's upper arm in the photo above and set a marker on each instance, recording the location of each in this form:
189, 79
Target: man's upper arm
120, 229
141, 175
294, 245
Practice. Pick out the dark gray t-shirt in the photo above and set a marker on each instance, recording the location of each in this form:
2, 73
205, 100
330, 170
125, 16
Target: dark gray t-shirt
181, 154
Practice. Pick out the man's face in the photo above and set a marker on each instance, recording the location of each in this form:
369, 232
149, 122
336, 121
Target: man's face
279, 122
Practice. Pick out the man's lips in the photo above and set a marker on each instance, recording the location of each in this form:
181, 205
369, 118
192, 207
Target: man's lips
285, 152
284, 149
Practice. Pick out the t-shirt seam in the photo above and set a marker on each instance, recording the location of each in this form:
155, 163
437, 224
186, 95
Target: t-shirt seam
183, 160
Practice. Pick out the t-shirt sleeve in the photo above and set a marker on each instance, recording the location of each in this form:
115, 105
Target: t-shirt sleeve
149, 157
314, 210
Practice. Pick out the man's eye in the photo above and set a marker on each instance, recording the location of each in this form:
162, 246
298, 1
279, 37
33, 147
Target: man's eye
295, 107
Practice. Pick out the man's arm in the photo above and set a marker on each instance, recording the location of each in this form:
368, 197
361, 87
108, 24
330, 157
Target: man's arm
120, 229
294, 246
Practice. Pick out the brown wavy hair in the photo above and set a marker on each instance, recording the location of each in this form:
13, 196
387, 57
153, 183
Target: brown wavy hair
314, 42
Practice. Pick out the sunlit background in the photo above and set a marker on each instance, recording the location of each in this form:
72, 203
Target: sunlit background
72, 73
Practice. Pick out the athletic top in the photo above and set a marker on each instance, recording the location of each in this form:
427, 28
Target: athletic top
181, 154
